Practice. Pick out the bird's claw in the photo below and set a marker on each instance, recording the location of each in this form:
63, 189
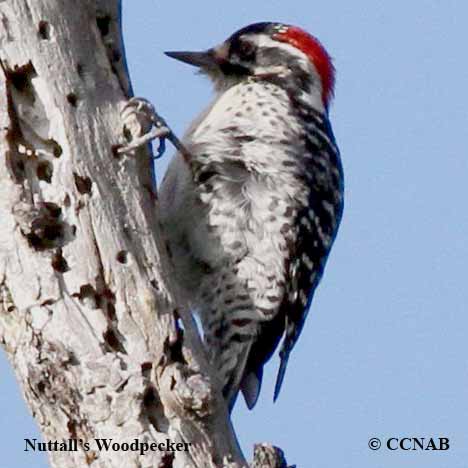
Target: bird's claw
142, 124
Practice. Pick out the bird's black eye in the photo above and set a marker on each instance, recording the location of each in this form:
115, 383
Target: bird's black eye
247, 50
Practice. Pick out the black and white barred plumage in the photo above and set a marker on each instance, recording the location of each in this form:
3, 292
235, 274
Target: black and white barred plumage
253, 215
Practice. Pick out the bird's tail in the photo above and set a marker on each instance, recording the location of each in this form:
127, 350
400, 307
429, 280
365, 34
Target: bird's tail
250, 387
284, 358
235, 379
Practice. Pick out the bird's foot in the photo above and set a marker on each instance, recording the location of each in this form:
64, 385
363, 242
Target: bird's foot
142, 124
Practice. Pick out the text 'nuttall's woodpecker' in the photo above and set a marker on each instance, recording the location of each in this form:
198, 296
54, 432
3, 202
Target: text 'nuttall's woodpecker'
252, 216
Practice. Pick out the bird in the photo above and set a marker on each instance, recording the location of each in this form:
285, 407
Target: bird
251, 214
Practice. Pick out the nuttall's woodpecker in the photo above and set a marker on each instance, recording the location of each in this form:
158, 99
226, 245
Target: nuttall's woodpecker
252, 205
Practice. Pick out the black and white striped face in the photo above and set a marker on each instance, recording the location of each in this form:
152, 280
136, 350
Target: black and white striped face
250, 52
271, 51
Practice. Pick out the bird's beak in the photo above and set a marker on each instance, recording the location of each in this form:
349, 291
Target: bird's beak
207, 59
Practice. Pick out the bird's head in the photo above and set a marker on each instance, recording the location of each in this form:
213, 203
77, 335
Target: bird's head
276, 52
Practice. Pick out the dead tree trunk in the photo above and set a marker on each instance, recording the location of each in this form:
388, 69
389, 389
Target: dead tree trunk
88, 315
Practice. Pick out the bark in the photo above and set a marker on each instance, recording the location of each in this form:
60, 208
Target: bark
88, 310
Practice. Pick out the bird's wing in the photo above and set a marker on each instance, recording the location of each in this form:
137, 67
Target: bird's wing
316, 227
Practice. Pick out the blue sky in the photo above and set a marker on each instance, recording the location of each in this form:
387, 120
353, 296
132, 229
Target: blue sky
384, 351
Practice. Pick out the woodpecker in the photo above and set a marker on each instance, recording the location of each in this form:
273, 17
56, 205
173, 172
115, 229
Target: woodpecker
251, 215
